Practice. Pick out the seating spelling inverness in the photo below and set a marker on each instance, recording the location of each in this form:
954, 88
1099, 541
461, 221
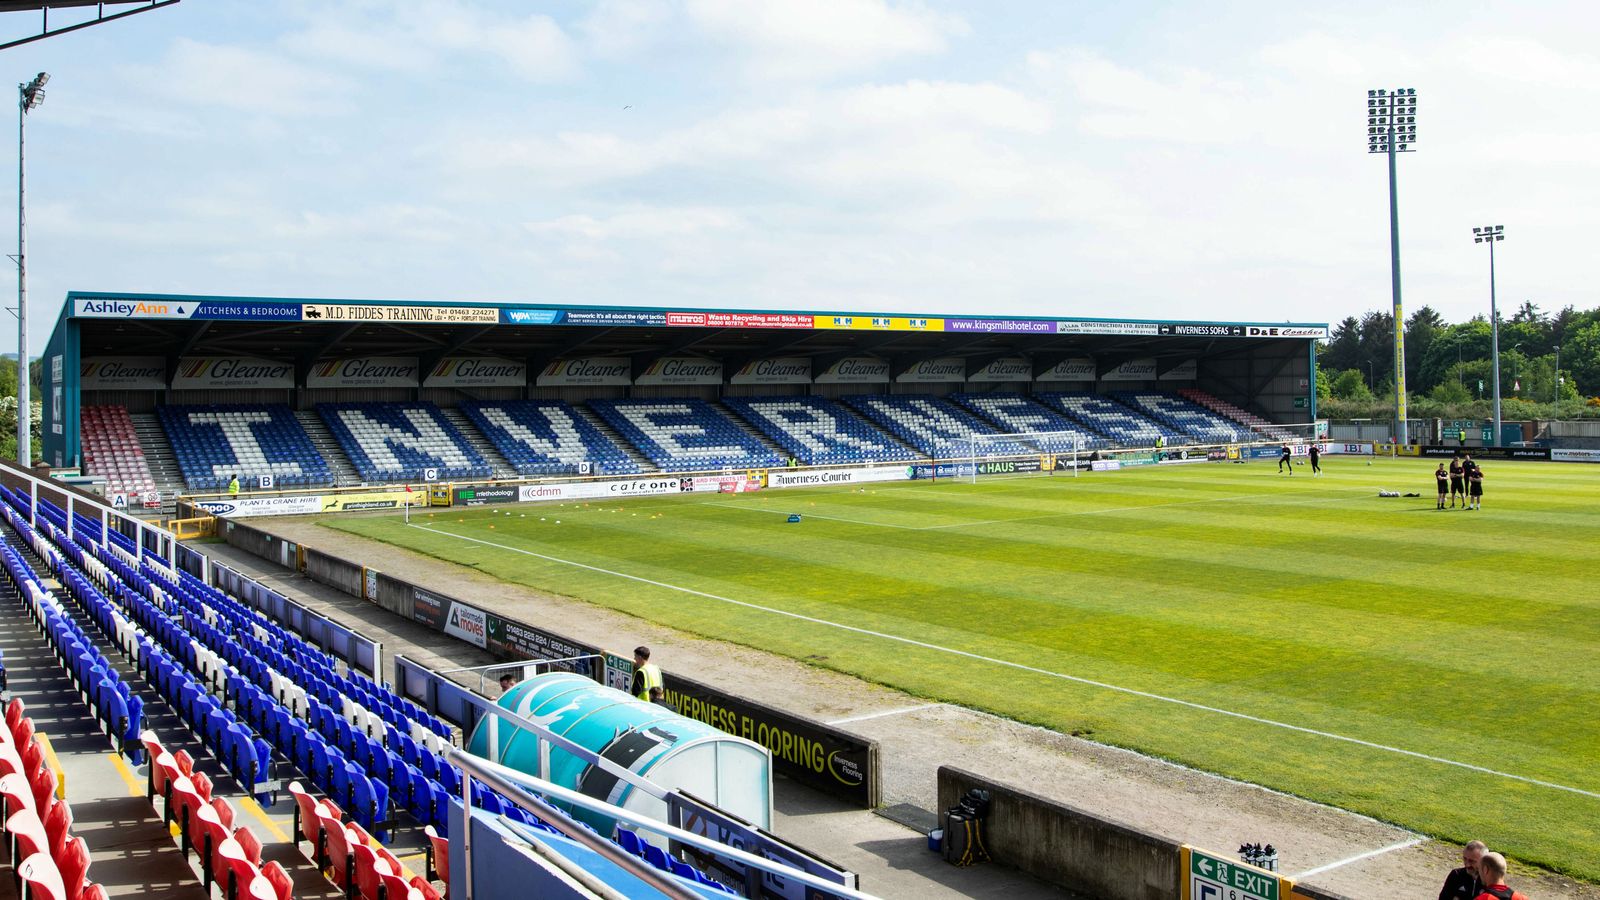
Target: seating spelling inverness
817, 431
684, 435
401, 441
1016, 413
1125, 426
1190, 418
215, 442
934, 426
547, 437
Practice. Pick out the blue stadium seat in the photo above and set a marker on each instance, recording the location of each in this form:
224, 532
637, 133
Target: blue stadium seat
936, 427
1185, 416
215, 442
818, 431
685, 435
1015, 413
548, 437
1122, 424
402, 441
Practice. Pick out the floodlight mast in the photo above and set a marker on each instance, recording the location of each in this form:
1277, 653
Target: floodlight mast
29, 96
1391, 129
1491, 235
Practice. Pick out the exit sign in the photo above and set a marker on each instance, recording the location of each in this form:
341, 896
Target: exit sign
1216, 878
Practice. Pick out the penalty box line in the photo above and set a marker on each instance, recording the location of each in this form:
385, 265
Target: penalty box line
967, 654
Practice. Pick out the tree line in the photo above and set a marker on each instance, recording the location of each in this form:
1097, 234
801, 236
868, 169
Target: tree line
1449, 365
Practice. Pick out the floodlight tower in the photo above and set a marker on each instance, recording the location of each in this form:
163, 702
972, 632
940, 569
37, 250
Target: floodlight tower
1491, 235
30, 95
1391, 129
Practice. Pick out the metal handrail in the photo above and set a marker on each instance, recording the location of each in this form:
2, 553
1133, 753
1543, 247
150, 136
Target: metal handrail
513, 785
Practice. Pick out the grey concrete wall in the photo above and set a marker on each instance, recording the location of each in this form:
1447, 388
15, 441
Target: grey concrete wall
1085, 853
334, 572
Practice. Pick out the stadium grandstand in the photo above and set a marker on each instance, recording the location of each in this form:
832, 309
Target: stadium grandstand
231, 698
304, 394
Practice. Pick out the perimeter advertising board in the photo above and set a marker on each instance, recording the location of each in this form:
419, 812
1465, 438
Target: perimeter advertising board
477, 371
856, 370
1486, 452
681, 370
825, 758
1079, 369
781, 370
786, 478
929, 371
365, 371
402, 313
1133, 370
212, 372
239, 507
1563, 454
597, 370
483, 494
127, 373
1010, 368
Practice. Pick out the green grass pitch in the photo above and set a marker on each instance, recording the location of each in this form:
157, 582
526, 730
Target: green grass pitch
1444, 640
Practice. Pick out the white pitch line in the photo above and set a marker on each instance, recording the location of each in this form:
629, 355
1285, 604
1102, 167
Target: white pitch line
967, 654
1357, 858
1059, 515
887, 712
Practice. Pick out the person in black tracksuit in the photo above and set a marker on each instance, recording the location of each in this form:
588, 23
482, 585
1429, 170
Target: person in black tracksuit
1458, 481
1316, 459
1286, 458
1443, 479
1463, 883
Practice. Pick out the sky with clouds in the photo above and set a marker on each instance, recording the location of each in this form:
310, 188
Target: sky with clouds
1144, 159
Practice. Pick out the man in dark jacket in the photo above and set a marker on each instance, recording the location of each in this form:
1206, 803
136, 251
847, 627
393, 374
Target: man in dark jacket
1463, 883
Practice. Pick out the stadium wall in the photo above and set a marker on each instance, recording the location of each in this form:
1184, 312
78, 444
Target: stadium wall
1089, 855
1092, 856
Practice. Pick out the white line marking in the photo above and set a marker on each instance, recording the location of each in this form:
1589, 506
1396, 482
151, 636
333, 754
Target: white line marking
1025, 668
887, 712
1357, 858
1059, 515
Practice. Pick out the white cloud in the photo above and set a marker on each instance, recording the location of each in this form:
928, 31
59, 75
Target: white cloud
639, 223
795, 39
241, 79
425, 37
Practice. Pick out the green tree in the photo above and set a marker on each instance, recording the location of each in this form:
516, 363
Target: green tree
1351, 385
1421, 329
1580, 355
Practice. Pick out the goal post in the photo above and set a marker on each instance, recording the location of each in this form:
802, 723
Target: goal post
1298, 434
1039, 451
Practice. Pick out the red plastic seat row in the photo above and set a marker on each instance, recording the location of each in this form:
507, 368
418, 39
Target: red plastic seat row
349, 856
49, 861
230, 854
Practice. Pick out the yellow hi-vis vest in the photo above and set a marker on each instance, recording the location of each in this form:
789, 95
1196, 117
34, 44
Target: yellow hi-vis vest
651, 679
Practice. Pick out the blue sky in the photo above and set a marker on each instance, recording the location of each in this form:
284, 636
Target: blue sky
1198, 161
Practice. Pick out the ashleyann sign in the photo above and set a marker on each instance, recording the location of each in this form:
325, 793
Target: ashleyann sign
128, 373
366, 371
209, 372
477, 371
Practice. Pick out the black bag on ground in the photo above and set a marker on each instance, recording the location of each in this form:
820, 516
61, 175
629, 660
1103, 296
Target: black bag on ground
963, 830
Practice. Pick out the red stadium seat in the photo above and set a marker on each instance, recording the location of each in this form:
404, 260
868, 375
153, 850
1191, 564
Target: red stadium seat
278, 877
73, 864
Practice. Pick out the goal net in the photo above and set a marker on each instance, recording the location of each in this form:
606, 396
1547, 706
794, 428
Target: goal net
1020, 452
1297, 435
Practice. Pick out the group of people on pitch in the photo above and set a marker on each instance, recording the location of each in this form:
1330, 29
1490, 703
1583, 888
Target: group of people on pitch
1482, 876
1463, 479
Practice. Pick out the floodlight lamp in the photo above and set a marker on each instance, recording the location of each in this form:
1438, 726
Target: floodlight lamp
1372, 93
42, 79
1476, 229
1499, 237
